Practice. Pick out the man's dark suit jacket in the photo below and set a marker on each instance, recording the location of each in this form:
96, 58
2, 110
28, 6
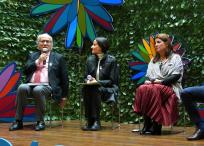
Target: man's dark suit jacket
57, 73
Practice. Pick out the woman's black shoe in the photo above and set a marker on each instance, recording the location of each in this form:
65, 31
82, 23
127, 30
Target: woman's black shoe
147, 126
88, 125
156, 128
145, 131
40, 126
96, 126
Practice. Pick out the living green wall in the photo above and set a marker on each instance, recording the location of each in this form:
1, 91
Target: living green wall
134, 20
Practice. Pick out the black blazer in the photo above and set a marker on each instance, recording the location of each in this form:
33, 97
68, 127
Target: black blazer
57, 73
108, 76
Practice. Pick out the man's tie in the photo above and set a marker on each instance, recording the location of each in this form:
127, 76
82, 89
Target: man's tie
38, 73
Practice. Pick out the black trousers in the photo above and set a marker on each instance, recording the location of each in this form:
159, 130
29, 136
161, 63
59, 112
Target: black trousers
92, 102
189, 97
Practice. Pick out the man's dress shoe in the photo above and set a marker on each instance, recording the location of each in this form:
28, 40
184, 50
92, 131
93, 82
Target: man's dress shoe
40, 126
198, 134
17, 125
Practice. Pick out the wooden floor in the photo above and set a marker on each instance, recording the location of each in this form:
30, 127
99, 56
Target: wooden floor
72, 135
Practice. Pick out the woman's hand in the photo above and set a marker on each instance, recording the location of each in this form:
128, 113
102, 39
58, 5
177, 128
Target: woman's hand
157, 81
92, 81
148, 82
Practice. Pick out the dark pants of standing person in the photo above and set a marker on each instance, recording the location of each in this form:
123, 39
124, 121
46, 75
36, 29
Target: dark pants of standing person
190, 96
92, 103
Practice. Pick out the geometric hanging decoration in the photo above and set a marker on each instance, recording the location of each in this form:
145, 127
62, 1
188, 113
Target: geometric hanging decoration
76, 16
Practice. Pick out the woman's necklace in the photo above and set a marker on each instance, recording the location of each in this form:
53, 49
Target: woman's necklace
163, 60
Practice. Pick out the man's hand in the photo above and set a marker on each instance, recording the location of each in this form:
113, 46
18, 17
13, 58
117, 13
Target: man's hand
42, 57
63, 102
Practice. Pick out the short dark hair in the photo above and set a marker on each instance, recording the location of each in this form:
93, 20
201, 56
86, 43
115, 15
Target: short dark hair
103, 43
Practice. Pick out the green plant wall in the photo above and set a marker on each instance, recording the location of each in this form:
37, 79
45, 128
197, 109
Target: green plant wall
133, 21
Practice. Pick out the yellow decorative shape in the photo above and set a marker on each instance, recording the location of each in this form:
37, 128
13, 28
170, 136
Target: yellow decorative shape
146, 45
152, 45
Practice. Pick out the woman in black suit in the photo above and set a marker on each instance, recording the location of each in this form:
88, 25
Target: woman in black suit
101, 76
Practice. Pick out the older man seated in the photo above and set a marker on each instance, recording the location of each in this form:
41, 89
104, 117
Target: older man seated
46, 74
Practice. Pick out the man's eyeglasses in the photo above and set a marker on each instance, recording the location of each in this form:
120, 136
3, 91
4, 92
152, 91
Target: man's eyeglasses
45, 41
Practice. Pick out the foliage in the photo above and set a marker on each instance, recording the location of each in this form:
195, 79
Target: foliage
134, 20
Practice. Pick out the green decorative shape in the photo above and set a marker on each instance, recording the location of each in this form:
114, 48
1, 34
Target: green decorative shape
79, 37
141, 80
145, 56
142, 49
82, 20
138, 56
45, 8
57, 1
89, 27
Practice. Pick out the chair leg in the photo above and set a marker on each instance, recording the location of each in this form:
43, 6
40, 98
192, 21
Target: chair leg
119, 115
172, 128
139, 125
50, 114
81, 112
112, 108
112, 116
138, 128
184, 120
62, 117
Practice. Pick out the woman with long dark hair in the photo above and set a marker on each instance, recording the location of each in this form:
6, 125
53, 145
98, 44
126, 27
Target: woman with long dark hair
157, 98
101, 77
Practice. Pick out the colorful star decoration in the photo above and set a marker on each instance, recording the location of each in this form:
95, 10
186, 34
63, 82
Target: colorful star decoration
77, 16
9, 79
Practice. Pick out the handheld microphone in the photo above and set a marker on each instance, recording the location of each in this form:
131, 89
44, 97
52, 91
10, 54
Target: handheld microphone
44, 50
44, 62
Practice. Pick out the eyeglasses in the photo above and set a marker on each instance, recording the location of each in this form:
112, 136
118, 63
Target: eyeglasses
45, 41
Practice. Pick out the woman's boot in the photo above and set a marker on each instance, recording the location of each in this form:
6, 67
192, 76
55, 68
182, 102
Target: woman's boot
88, 124
147, 126
156, 128
96, 126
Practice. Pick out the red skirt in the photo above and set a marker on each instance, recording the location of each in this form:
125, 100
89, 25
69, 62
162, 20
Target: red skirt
158, 102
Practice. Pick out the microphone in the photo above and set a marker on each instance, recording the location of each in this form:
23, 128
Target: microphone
44, 62
44, 50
